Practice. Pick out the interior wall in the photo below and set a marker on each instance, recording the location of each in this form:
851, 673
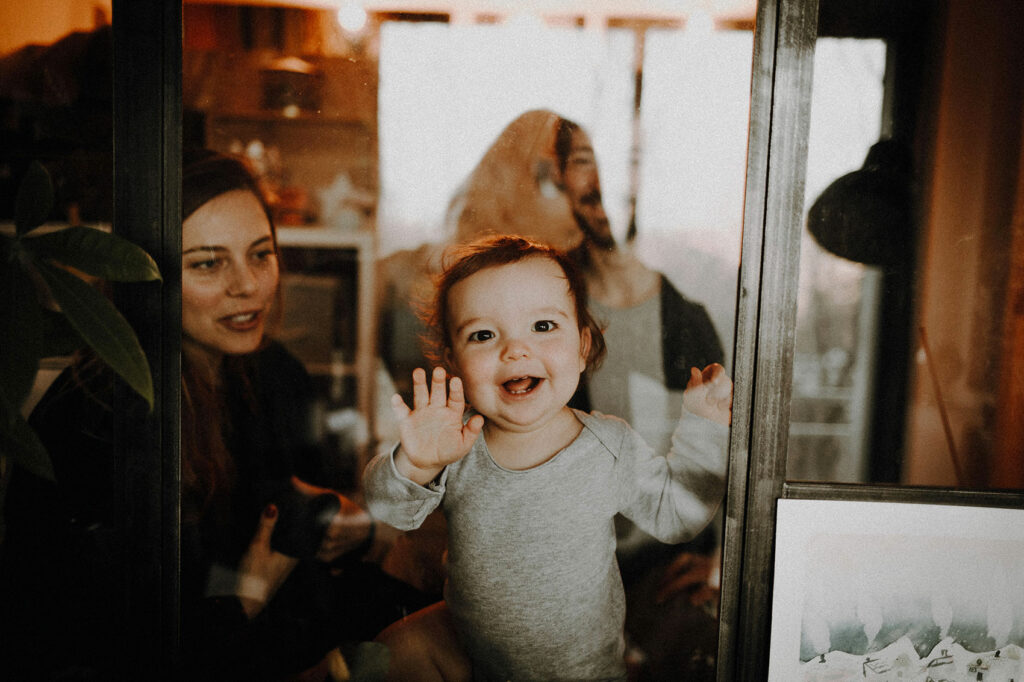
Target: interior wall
1008, 464
43, 22
964, 273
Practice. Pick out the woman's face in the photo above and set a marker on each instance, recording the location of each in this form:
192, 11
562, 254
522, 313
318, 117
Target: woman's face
229, 275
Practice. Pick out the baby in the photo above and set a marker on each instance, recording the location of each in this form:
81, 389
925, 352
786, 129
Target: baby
529, 486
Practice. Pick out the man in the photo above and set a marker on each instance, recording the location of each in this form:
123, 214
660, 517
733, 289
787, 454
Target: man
654, 335
631, 299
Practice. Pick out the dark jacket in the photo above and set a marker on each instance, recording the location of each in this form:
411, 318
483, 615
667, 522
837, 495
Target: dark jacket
688, 339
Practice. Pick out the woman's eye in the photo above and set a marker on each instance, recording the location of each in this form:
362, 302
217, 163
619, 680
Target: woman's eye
481, 335
265, 254
204, 265
544, 326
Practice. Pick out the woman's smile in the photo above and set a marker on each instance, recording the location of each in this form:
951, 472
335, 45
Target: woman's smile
229, 275
244, 322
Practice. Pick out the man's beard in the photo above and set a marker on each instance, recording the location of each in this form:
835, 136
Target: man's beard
599, 234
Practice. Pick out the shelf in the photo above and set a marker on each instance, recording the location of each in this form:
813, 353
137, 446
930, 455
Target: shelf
326, 369
273, 116
321, 237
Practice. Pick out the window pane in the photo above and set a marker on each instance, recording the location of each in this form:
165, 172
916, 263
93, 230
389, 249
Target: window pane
58, 483
836, 334
369, 144
906, 368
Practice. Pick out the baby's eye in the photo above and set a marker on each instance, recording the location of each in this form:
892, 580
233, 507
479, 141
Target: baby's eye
481, 335
544, 326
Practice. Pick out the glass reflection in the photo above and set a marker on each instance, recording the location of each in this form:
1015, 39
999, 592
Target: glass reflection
364, 137
55, 510
906, 365
837, 327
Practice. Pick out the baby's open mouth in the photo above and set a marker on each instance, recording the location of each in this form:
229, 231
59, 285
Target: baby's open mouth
521, 385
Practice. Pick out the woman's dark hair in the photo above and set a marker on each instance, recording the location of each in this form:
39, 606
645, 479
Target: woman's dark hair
206, 466
488, 252
206, 174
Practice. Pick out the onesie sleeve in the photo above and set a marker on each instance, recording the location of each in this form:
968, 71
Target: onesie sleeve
674, 497
395, 499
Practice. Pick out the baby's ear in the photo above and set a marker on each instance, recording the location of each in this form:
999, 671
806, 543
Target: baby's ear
584, 347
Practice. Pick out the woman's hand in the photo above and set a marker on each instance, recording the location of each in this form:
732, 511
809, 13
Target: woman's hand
262, 570
349, 527
433, 435
708, 394
694, 574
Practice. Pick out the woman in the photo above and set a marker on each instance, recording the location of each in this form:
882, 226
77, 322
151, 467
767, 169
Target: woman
250, 468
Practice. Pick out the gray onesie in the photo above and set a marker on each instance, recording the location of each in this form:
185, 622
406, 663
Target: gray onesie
533, 583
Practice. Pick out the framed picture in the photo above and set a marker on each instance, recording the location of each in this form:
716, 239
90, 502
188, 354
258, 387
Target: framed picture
897, 591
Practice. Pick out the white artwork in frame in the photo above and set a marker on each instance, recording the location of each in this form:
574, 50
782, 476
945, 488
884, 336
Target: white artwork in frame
893, 592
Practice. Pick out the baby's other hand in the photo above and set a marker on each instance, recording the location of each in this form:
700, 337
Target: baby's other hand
433, 435
708, 394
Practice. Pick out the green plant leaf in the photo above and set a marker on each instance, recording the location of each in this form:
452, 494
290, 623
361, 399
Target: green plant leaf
102, 327
21, 332
34, 201
97, 253
20, 442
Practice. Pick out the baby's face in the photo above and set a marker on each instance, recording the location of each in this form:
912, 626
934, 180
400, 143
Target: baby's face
515, 342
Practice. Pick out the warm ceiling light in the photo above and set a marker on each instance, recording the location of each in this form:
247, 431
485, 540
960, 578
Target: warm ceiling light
351, 16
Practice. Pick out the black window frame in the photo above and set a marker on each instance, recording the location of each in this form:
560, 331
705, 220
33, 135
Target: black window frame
147, 171
147, 210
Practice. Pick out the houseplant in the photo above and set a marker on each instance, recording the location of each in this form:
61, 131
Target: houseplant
48, 308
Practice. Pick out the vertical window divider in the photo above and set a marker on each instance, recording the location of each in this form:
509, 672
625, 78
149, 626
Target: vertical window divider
766, 309
147, 211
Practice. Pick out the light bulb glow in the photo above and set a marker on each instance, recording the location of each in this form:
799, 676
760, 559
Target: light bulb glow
351, 16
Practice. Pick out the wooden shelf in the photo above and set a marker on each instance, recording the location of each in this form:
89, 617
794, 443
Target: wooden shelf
278, 117
323, 237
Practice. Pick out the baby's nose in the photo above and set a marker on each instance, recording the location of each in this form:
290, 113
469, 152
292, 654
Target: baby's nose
515, 349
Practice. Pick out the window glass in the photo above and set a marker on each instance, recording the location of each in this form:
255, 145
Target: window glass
837, 328
57, 469
906, 365
374, 136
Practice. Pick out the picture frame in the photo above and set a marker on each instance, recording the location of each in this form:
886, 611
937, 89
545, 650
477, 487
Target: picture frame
882, 590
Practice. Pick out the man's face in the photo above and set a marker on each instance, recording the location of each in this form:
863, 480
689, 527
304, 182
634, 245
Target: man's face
583, 187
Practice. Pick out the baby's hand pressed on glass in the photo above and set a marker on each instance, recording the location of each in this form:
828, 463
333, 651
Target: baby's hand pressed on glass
433, 435
708, 394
